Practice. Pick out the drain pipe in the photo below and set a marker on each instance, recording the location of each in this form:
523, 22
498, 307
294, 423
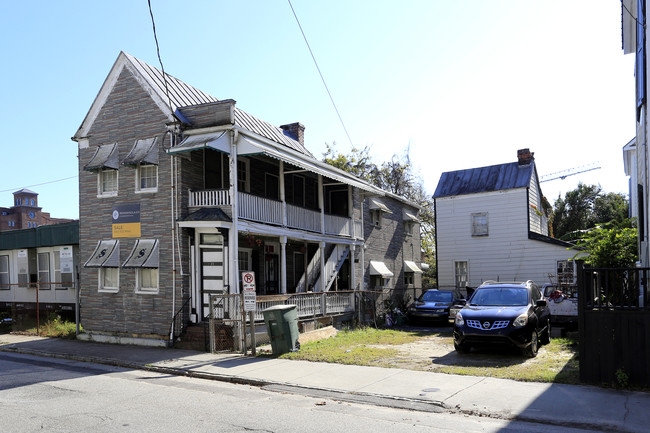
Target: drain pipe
172, 168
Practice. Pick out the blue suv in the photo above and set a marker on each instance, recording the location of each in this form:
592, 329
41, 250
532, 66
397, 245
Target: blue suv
515, 314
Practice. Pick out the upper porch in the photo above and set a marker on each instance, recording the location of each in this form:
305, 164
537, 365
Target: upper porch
279, 213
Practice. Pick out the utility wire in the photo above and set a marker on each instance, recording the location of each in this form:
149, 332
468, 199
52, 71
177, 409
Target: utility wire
321, 74
629, 12
155, 37
39, 184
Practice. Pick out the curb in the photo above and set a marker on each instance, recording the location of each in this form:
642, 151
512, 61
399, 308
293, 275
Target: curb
396, 402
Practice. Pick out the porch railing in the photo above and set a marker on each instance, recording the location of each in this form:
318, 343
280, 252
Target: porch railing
338, 225
301, 218
315, 304
270, 211
260, 209
209, 198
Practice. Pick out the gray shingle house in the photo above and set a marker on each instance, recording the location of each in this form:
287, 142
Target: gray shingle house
180, 193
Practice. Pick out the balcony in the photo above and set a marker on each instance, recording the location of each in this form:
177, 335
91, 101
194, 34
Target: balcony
268, 211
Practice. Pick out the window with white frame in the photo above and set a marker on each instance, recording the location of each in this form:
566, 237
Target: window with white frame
107, 182
243, 175
408, 228
109, 280
44, 271
565, 273
146, 178
244, 259
62, 279
460, 274
146, 280
409, 278
4, 273
480, 224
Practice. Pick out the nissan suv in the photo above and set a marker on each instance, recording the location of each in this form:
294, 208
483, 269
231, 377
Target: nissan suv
515, 314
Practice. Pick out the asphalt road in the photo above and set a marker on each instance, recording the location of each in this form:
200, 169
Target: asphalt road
44, 394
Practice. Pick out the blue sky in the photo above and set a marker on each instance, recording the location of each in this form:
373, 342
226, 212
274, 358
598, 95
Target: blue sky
461, 84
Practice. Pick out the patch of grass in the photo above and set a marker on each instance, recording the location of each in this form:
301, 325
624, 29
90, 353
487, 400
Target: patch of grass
54, 327
556, 362
355, 347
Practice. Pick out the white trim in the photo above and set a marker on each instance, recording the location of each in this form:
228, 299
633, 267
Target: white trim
100, 178
100, 280
147, 291
138, 189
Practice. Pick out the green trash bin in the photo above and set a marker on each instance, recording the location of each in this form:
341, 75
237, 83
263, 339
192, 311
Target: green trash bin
282, 327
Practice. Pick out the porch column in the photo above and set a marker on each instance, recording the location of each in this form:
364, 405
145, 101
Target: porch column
321, 245
283, 198
321, 203
233, 239
283, 264
353, 248
351, 211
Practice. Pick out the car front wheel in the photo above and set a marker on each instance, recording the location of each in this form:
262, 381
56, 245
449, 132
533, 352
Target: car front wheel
462, 348
531, 350
546, 336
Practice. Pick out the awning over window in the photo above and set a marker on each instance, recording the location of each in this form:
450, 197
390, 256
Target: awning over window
143, 255
105, 156
410, 217
376, 204
410, 266
106, 255
215, 140
143, 152
379, 268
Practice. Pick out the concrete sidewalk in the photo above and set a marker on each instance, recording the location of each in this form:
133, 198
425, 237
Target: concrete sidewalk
569, 405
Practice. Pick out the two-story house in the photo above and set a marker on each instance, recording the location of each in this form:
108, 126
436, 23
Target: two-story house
180, 193
490, 225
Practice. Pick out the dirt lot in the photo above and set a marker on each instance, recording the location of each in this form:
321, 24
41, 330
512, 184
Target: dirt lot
434, 351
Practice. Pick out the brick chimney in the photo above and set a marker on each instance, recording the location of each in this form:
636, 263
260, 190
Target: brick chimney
296, 131
525, 156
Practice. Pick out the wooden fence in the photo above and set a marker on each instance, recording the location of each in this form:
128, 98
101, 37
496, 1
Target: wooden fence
614, 325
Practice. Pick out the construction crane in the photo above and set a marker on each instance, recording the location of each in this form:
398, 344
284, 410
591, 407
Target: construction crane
563, 174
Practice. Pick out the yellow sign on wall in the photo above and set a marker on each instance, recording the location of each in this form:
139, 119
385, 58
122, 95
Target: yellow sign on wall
127, 230
126, 220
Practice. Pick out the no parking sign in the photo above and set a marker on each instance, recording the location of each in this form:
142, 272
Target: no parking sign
248, 282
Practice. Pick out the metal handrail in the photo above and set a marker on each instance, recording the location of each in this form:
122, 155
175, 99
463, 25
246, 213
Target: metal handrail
172, 327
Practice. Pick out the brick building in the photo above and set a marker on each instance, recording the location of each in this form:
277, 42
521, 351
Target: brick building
25, 213
181, 192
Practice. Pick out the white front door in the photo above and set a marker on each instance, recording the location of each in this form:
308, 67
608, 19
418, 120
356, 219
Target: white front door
209, 271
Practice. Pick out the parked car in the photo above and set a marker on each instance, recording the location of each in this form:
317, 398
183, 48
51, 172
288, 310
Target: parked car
433, 305
563, 303
516, 314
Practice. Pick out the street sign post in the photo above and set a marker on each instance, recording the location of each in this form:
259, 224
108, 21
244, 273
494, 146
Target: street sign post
248, 284
248, 281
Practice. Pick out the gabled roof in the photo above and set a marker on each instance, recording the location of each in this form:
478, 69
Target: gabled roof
485, 179
179, 95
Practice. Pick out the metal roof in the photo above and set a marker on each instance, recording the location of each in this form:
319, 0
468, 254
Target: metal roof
183, 95
484, 179
43, 236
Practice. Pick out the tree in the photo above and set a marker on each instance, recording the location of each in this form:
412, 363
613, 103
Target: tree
610, 246
586, 207
395, 176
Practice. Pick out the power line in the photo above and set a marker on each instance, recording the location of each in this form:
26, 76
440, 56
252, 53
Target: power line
39, 184
155, 37
321, 74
